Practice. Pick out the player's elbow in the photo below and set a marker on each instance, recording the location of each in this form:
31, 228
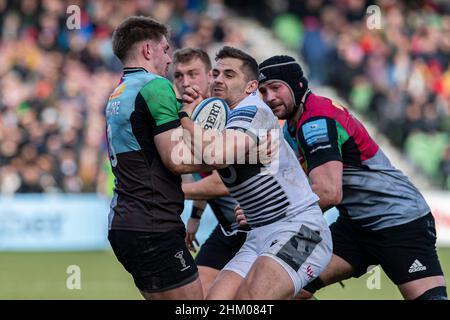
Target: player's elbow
177, 165
181, 169
176, 168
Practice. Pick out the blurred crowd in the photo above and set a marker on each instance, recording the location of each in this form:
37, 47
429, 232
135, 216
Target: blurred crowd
55, 80
391, 62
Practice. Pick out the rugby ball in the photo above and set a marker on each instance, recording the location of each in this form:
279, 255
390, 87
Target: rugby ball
211, 113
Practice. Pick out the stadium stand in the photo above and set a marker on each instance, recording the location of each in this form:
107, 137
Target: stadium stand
54, 81
398, 76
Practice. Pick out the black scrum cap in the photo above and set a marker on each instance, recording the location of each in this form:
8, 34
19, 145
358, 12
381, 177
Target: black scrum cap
285, 69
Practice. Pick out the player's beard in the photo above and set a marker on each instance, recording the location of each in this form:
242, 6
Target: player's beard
281, 111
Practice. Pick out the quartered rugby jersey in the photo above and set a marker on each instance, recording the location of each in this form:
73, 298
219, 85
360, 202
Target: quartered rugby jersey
147, 196
375, 193
267, 193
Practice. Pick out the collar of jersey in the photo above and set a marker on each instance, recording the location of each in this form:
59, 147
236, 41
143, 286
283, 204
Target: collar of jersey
129, 70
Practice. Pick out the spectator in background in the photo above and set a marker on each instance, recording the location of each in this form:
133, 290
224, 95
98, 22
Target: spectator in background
398, 74
445, 167
54, 84
54, 81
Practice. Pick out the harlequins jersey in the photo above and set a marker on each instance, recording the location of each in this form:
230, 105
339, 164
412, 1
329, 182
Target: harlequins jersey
375, 193
147, 196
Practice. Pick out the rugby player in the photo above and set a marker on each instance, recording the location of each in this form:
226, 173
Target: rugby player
289, 243
146, 232
191, 67
384, 220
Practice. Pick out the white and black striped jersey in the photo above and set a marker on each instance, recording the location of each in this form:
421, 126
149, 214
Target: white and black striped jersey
271, 192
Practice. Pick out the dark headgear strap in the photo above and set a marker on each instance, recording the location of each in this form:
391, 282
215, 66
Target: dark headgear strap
287, 70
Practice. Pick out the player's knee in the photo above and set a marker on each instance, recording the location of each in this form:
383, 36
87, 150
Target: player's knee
313, 286
436, 293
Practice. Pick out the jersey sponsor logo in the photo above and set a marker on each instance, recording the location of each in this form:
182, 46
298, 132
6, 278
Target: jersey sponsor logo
315, 132
416, 266
117, 92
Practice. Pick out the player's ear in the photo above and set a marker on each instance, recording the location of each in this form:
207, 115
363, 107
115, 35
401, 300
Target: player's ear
145, 49
251, 86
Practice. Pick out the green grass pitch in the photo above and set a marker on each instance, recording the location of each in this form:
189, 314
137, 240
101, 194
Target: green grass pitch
42, 275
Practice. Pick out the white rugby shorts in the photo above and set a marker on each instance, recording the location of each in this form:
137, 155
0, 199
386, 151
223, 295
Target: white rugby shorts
301, 244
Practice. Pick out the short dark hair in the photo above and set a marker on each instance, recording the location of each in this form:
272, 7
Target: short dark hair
248, 62
134, 29
186, 55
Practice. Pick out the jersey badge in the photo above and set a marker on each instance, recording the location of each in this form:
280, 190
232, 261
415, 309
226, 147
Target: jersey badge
315, 132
